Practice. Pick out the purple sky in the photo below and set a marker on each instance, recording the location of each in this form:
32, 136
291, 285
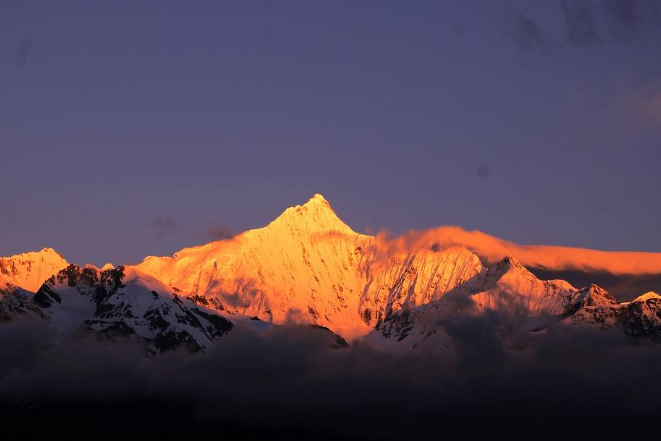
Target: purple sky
139, 128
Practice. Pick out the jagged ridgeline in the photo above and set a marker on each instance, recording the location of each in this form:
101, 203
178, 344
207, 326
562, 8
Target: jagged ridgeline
118, 302
307, 266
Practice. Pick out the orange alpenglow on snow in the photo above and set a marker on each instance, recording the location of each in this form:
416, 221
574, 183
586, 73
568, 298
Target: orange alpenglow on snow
307, 266
30, 270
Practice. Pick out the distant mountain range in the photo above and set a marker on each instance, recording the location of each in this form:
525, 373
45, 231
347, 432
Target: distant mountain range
308, 267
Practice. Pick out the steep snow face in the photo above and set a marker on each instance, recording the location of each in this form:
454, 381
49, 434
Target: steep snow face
406, 281
643, 317
126, 302
15, 302
506, 287
640, 319
508, 284
308, 266
6, 287
30, 270
592, 296
521, 300
301, 268
305, 267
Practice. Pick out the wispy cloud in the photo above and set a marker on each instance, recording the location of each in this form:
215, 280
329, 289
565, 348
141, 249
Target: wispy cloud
525, 33
164, 225
219, 232
23, 52
626, 19
642, 108
580, 22
584, 23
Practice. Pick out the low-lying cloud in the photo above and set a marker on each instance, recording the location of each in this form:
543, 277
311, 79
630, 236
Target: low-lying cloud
569, 383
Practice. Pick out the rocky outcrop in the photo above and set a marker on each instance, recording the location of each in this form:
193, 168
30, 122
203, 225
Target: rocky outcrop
121, 301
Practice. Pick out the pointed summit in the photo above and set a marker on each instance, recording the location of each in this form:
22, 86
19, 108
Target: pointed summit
506, 272
316, 215
318, 200
509, 263
318, 197
594, 295
509, 286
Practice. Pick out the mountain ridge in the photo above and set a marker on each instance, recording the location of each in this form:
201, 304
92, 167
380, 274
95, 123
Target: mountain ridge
29, 270
308, 267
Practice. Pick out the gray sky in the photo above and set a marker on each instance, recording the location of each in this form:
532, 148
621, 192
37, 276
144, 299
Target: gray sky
136, 128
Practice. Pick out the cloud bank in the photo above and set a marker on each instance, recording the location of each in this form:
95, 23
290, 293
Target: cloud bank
492, 249
291, 381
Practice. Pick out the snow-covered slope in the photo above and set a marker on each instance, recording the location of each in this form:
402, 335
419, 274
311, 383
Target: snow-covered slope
520, 299
647, 296
15, 302
299, 268
308, 266
6, 287
640, 319
506, 287
305, 267
125, 302
404, 281
592, 296
30, 270
508, 284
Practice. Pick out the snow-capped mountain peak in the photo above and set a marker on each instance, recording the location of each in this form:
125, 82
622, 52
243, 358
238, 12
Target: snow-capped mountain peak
126, 302
508, 283
640, 319
30, 270
594, 295
511, 262
315, 216
308, 267
647, 296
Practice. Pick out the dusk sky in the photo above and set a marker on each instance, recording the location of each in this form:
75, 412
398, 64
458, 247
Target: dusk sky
139, 128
